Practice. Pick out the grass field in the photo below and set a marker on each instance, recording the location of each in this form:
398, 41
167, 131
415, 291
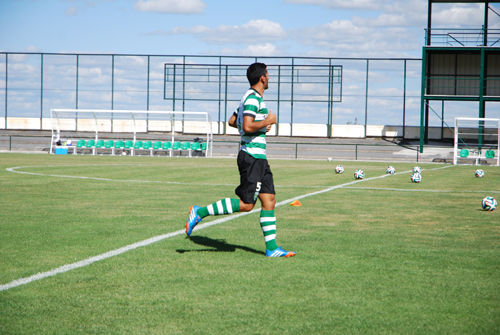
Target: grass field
381, 256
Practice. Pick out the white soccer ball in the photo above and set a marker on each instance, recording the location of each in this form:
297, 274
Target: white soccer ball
479, 173
329, 159
359, 174
489, 204
339, 169
390, 170
417, 169
416, 177
124, 153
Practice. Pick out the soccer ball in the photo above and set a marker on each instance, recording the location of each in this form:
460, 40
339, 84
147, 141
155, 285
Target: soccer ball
339, 169
359, 174
69, 143
124, 153
416, 177
479, 173
390, 170
417, 169
489, 204
329, 159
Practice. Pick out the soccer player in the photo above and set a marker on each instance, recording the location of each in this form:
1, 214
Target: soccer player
253, 121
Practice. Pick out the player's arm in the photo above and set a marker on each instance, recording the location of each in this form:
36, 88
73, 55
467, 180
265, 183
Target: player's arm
250, 126
232, 121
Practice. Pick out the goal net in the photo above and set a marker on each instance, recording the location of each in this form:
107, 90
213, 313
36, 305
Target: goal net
70, 127
476, 141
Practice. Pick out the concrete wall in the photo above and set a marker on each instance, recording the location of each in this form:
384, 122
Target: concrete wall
195, 127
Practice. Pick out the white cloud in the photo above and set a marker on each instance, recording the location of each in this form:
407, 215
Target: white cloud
72, 11
32, 48
459, 15
406, 12
261, 50
255, 32
343, 37
393, 28
252, 32
411, 19
194, 30
341, 4
170, 6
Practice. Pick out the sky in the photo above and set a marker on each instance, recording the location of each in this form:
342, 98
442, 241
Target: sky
319, 28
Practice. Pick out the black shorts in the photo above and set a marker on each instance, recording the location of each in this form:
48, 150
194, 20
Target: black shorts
255, 178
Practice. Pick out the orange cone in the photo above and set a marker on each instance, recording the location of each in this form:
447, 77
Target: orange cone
296, 203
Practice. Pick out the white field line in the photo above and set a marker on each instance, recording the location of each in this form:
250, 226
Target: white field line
116, 252
416, 190
15, 170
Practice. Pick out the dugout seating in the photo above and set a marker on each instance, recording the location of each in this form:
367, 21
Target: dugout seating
137, 146
104, 145
79, 144
185, 146
98, 145
167, 146
476, 155
109, 145
90, 144
128, 146
148, 145
176, 146
490, 154
143, 146
118, 145
156, 147
196, 147
153, 148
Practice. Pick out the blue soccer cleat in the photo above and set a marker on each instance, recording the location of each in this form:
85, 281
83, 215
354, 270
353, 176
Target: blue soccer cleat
280, 252
193, 219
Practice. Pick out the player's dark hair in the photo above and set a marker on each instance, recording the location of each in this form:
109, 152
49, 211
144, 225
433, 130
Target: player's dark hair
255, 71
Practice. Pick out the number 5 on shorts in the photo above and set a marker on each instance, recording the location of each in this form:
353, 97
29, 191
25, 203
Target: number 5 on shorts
257, 191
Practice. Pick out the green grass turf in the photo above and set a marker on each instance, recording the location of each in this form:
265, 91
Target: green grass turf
382, 256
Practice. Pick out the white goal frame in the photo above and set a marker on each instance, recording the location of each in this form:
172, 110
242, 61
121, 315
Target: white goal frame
464, 130
96, 121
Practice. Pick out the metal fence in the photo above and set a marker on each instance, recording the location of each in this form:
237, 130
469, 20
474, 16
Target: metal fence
347, 91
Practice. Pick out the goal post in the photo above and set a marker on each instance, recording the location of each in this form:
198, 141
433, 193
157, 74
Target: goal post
71, 125
476, 140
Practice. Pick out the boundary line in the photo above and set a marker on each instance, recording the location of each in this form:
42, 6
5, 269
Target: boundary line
116, 252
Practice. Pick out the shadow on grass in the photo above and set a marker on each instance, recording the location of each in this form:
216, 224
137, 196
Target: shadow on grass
217, 246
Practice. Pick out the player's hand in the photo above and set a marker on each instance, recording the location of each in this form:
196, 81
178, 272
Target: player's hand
271, 118
268, 128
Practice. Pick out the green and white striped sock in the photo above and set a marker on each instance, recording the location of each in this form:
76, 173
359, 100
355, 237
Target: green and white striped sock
224, 206
268, 225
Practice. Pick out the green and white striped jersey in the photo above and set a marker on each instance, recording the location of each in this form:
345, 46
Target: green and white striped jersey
252, 105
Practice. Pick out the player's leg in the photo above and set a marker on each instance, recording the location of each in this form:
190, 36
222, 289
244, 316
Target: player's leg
221, 207
267, 218
245, 191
